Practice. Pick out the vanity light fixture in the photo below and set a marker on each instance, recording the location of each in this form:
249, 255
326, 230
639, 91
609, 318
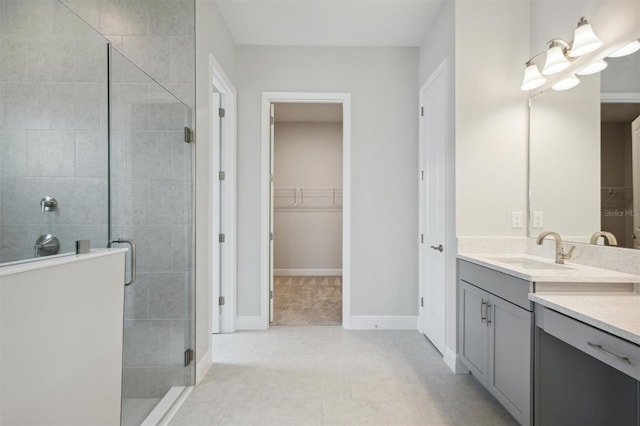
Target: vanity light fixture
559, 56
556, 59
630, 48
532, 77
584, 39
592, 68
566, 83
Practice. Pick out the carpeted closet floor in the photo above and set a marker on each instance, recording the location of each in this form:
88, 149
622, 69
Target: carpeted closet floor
307, 300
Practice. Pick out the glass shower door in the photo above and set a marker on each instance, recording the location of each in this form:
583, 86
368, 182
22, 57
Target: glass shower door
151, 199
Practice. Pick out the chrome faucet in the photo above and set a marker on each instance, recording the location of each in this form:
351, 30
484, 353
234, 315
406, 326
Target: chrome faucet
608, 237
561, 256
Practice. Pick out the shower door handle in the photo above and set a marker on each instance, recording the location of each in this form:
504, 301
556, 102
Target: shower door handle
132, 244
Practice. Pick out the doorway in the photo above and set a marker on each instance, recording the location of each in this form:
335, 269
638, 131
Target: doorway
307, 214
435, 211
305, 209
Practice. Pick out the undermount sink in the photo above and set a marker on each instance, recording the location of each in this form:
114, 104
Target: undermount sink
526, 263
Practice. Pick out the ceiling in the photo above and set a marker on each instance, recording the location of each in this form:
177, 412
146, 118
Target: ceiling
329, 22
308, 113
619, 112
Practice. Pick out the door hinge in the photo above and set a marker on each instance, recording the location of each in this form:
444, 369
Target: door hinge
188, 135
188, 357
270, 236
270, 294
221, 238
422, 302
273, 121
221, 175
421, 111
221, 112
221, 301
421, 238
271, 178
421, 174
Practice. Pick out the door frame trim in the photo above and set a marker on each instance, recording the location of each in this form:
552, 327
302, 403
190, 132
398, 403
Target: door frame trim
221, 82
306, 97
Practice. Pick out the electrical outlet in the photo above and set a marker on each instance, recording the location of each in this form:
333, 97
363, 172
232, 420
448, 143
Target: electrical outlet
516, 220
538, 220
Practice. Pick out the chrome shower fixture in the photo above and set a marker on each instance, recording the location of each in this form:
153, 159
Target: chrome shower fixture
46, 245
48, 204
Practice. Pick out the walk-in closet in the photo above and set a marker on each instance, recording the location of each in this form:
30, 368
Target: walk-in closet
307, 214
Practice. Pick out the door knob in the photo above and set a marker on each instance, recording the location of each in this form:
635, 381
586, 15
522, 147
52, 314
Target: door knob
439, 248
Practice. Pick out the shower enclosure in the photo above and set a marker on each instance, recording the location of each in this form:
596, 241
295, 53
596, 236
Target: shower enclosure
92, 148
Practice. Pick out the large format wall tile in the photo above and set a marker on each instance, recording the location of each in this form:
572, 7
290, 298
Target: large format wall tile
91, 153
13, 67
123, 17
49, 58
148, 153
146, 342
13, 161
28, 17
167, 294
77, 105
50, 153
174, 17
28, 105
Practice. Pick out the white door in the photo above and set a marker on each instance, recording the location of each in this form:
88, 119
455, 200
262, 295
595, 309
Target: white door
271, 214
635, 147
432, 207
216, 209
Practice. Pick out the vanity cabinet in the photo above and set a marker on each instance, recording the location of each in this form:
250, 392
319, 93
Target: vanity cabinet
496, 335
584, 376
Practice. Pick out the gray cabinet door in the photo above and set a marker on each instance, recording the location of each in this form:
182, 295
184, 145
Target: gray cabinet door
510, 337
475, 334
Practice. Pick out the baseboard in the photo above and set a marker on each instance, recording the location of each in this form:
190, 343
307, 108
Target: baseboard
452, 360
307, 272
382, 322
250, 323
203, 365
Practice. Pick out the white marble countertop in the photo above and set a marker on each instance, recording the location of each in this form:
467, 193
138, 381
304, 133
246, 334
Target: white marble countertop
615, 313
541, 269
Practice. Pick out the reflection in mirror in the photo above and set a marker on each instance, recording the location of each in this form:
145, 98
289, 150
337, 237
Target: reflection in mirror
582, 161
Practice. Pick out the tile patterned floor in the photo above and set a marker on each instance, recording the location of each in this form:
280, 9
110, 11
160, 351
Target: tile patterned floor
330, 376
307, 300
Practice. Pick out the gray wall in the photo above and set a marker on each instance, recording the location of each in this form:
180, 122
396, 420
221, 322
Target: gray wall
382, 83
214, 40
491, 45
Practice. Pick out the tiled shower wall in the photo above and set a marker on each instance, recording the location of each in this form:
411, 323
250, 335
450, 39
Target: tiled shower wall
157, 35
53, 127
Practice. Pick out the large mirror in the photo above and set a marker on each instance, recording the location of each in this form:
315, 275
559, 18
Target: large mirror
584, 174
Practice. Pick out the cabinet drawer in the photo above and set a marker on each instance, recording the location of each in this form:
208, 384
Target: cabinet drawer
613, 351
502, 285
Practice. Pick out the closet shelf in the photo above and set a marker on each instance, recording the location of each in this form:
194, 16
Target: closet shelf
296, 199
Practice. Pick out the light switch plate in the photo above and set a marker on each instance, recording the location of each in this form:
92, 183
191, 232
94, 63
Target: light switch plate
516, 219
537, 220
